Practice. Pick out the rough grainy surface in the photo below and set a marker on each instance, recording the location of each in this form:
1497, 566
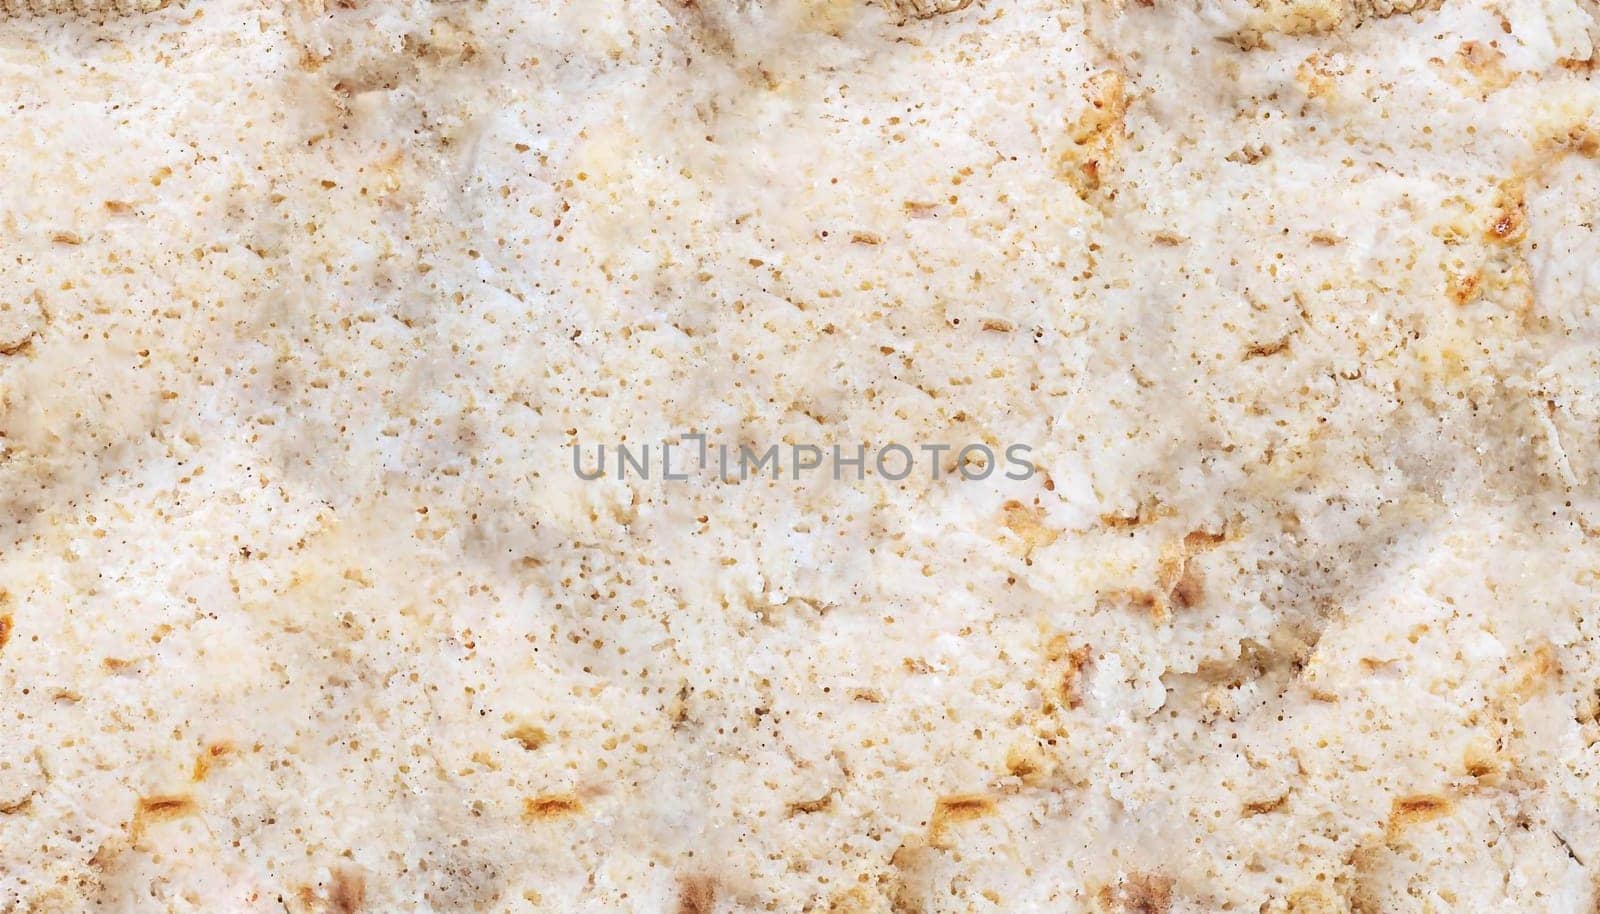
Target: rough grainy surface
301, 308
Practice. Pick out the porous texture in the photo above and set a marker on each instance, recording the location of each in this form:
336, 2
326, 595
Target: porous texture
97, 10
1297, 303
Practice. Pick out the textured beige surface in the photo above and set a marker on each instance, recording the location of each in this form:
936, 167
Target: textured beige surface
301, 308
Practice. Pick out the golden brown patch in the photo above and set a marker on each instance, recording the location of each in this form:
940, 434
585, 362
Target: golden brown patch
859, 900
1317, 900
1480, 764
1026, 763
1148, 511
1262, 350
1465, 287
833, 17
344, 893
1542, 664
820, 804
1096, 133
1486, 64
871, 239
908, 879
6, 626
1139, 894
696, 894
1027, 522
1200, 540
162, 808
551, 806
1262, 807
1178, 582
528, 736
209, 758
1171, 568
68, 238
1069, 662
957, 808
923, 9
348, 890
1249, 154
1189, 589
1139, 599
1410, 810
1510, 223
1317, 75
167, 806
1535, 671
963, 807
